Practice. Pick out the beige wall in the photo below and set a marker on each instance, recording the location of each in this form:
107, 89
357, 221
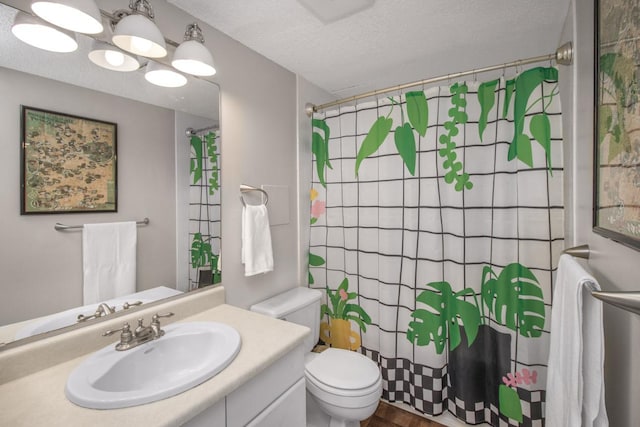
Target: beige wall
42, 268
615, 265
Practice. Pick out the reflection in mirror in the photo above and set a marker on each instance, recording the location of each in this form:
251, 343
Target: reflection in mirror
164, 173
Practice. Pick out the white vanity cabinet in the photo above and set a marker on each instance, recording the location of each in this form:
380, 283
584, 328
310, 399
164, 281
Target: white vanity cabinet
273, 398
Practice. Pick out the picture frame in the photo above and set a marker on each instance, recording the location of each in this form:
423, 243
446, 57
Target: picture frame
68, 163
616, 197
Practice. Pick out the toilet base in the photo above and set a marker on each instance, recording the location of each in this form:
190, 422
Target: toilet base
317, 417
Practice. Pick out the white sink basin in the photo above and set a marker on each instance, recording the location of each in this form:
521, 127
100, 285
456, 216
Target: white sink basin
188, 354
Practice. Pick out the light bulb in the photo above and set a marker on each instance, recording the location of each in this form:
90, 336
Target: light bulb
141, 45
114, 58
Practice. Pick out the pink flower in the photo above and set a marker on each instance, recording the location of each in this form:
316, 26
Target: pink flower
343, 295
525, 376
318, 208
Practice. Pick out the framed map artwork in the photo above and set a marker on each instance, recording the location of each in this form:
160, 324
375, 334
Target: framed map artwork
616, 207
68, 163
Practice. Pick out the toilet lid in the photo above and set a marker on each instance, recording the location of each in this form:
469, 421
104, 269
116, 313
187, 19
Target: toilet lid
343, 369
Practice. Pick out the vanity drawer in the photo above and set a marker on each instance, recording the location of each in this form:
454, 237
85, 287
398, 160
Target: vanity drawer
245, 403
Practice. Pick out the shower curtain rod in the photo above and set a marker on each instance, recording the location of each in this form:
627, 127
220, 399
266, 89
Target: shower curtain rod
563, 56
192, 131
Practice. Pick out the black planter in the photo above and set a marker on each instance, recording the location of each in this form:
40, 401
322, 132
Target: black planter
475, 373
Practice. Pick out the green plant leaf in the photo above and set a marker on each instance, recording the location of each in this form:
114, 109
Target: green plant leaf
311, 280
313, 220
196, 163
428, 327
509, 87
515, 299
452, 313
201, 253
315, 260
521, 149
526, 82
509, 402
358, 321
318, 149
322, 125
487, 99
418, 111
540, 128
406, 145
359, 311
374, 139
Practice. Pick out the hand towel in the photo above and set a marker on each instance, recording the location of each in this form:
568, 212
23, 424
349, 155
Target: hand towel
108, 260
575, 374
257, 252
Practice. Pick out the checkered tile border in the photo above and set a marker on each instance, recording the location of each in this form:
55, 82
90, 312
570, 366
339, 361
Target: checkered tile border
424, 388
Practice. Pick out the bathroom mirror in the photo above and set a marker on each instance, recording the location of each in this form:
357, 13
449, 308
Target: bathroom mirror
42, 267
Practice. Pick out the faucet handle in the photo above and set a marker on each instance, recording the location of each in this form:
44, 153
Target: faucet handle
126, 328
128, 305
126, 338
156, 317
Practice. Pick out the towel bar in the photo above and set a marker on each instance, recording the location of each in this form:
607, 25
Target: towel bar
629, 301
63, 227
247, 188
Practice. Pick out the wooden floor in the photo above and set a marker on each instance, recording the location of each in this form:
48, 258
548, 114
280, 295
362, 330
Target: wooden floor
390, 416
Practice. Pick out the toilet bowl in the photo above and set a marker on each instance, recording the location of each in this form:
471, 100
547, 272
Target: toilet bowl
344, 385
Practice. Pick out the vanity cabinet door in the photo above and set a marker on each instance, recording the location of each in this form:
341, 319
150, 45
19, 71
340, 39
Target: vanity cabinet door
250, 399
213, 416
288, 410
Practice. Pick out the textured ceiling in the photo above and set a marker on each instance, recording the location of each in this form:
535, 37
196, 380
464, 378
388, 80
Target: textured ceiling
391, 42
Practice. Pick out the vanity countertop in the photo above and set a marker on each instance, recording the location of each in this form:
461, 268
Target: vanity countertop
38, 399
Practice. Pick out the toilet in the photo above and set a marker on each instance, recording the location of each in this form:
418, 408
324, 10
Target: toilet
343, 387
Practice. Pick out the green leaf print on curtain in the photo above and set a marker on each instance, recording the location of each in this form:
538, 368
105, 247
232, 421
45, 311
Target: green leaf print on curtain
320, 148
514, 299
525, 84
201, 254
374, 139
196, 164
214, 184
487, 99
458, 115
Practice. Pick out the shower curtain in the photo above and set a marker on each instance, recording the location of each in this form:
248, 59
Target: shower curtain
204, 211
436, 226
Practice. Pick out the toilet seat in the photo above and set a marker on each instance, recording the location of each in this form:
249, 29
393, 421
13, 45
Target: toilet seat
343, 378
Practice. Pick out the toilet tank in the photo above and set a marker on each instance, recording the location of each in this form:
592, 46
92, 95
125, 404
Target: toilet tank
298, 305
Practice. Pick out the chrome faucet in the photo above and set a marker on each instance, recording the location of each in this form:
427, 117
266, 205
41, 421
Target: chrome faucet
140, 335
104, 309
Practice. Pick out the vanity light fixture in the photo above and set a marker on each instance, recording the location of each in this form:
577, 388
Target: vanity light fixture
38, 33
162, 75
82, 16
192, 56
112, 58
137, 33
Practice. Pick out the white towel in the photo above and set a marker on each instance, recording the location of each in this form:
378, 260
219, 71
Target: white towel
108, 260
575, 375
257, 253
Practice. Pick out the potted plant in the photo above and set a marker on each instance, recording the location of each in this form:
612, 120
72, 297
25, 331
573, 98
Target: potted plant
338, 332
479, 356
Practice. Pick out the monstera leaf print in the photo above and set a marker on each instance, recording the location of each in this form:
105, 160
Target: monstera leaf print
448, 312
515, 299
